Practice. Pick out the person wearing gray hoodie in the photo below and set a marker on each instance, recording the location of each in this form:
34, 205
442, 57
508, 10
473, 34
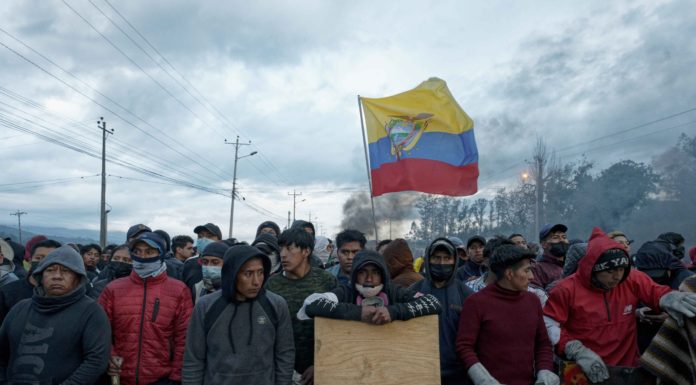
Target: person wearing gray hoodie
59, 336
7, 267
241, 333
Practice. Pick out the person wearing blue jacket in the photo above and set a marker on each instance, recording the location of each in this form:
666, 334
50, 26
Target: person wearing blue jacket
440, 281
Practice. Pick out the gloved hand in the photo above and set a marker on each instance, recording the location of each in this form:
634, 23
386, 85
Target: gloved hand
679, 304
480, 376
546, 377
591, 364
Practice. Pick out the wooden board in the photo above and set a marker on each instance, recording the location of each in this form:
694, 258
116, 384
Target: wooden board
571, 374
356, 353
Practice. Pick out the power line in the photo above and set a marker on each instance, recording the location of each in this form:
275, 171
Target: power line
48, 180
125, 164
153, 60
184, 155
629, 129
221, 117
514, 165
126, 149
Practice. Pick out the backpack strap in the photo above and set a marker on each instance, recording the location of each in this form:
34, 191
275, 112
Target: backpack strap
268, 308
212, 315
221, 303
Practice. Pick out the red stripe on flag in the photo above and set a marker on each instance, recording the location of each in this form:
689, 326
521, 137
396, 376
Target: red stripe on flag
424, 175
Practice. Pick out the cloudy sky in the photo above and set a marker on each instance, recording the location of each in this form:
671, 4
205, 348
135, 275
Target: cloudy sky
176, 78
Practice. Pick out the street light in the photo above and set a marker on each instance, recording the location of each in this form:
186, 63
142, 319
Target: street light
234, 184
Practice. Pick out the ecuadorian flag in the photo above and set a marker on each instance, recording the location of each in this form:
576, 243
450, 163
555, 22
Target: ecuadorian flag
421, 140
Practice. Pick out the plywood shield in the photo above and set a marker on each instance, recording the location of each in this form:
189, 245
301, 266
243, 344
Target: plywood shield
398, 353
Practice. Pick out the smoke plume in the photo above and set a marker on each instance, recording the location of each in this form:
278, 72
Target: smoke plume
399, 208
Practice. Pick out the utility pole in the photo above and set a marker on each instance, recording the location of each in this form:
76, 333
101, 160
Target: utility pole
19, 222
234, 177
101, 124
310, 217
288, 220
294, 202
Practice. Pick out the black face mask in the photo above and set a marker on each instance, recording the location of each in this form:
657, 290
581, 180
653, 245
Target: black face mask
441, 272
34, 264
679, 252
559, 249
120, 269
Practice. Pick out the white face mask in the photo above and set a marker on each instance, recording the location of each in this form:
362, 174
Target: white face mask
367, 292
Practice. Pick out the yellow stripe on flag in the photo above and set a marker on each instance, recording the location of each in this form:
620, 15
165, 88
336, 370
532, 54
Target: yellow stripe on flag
430, 104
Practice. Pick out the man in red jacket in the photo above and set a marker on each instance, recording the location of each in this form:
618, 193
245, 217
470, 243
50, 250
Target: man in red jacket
149, 315
591, 314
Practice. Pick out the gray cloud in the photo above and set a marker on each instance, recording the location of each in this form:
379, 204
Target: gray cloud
287, 78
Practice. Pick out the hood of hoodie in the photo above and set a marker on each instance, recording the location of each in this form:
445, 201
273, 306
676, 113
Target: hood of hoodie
320, 244
65, 256
366, 257
575, 253
598, 243
398, 257
299, 223
235, 258
658, 254
430, 250
269, 224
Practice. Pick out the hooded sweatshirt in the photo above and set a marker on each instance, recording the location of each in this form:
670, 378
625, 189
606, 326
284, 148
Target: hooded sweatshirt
451, 297
399, 259
604, 321
269, 224
243, 345
401, 303
7, 274
7, 267
56, 340
661, 254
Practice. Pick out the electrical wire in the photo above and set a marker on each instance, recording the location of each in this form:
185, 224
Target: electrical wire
128, 122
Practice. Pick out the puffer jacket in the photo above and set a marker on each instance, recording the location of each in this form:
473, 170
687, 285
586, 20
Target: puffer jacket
149, 319
604, 321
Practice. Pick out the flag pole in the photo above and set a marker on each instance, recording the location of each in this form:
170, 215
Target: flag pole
367, 165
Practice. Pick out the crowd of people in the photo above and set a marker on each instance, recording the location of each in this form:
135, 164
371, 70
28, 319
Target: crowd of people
161, 310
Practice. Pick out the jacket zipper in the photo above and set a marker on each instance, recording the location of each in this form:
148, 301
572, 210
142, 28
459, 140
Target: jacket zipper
140, 336
606, 304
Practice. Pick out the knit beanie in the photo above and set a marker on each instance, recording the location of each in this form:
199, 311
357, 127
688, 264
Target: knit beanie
611, 259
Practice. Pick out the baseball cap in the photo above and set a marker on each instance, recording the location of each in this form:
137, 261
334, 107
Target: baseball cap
476, 238
136, 230
152, 239
212, 228
549, 228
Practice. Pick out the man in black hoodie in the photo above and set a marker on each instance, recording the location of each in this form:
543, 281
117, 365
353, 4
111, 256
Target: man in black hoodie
441, 262
60, 336
241, 333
